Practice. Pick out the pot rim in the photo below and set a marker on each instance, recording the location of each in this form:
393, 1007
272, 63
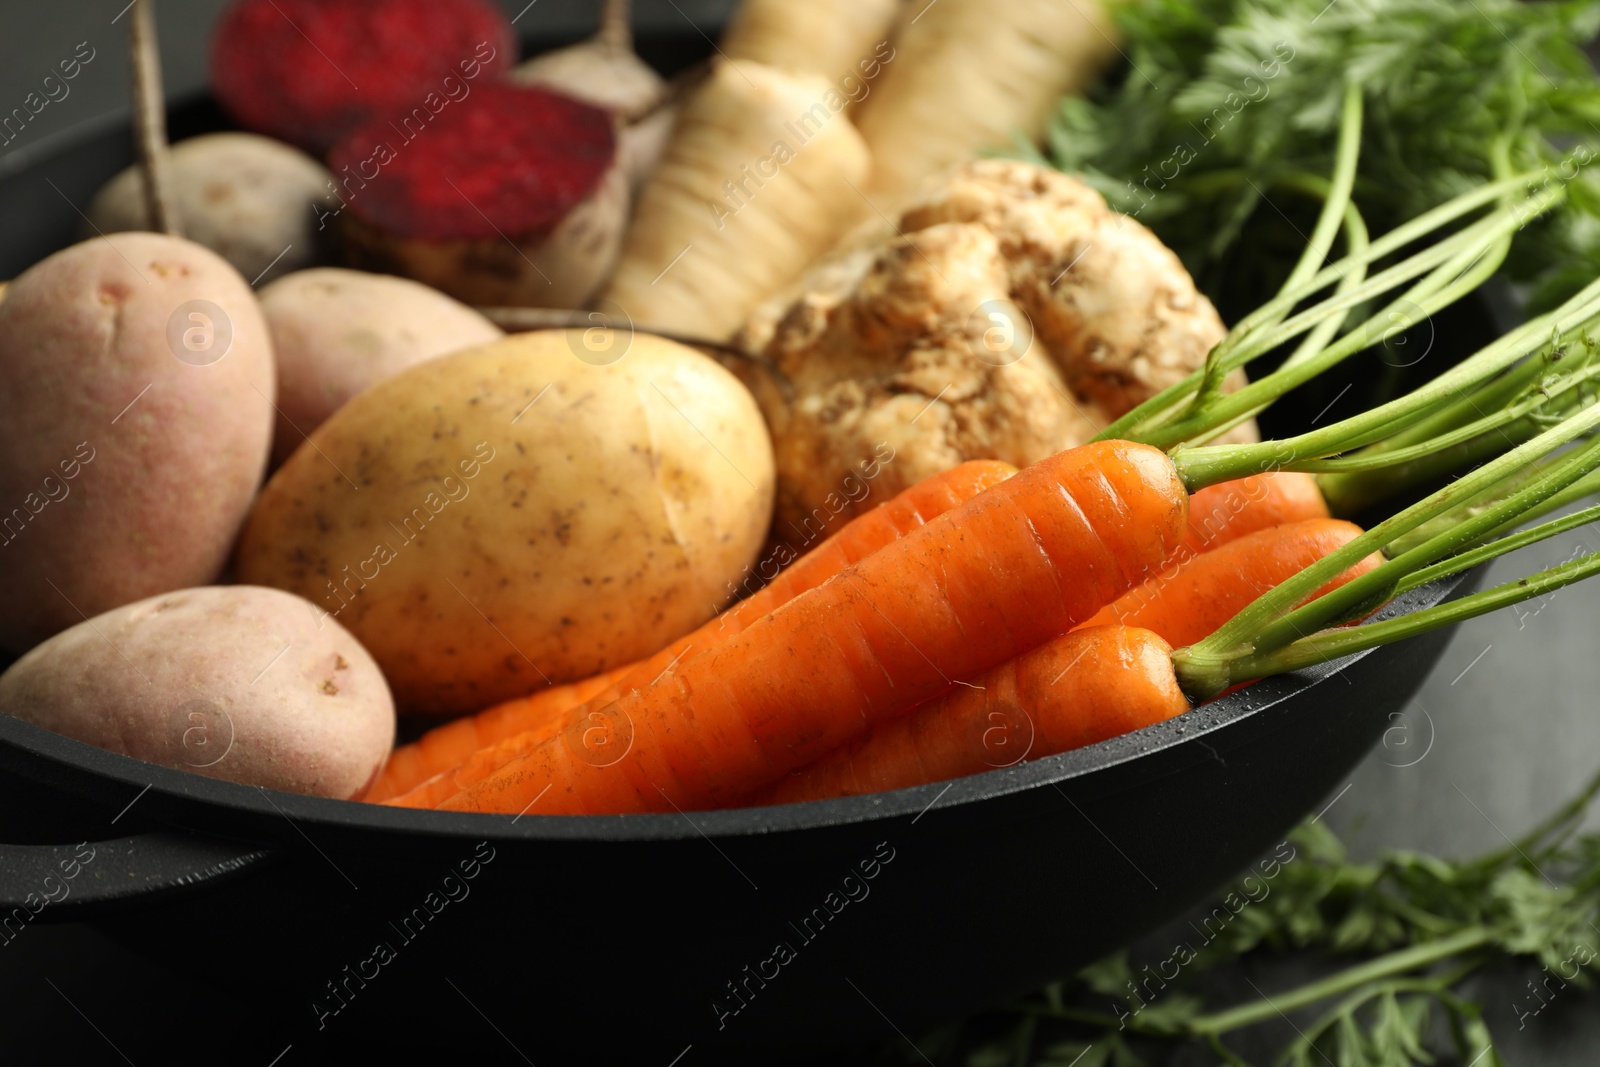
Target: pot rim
1155, 746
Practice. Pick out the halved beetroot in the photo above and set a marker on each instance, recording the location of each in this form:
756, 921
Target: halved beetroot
308, 71
511, 196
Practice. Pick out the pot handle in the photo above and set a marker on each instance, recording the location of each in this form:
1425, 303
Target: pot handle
69, 881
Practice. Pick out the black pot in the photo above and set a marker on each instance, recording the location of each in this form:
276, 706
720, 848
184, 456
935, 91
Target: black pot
730, 935
897, 910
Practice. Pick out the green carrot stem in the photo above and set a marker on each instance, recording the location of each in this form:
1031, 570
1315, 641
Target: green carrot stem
1346, 154
1558, 825
1166, 405
1586, 486
1467, 406
1463, 247
1445, 260
1377, 585
1392, 242
1469, 242
1348, 491
1422, 463
1498, 547
1174, 396
1332, 644
1449, 282
1356, 238
1466, 445
1203, 668
1208, 464
1369, 459
1433, 984
1394, 963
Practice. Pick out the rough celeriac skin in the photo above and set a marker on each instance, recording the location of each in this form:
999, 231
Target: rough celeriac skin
1009, 314
248, 198
524, 516
125, 470
335, 332
234, 682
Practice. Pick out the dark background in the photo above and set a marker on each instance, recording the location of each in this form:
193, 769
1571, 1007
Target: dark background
1506, 728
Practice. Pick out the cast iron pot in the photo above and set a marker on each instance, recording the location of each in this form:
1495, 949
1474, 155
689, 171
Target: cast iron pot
656, 939
835, 922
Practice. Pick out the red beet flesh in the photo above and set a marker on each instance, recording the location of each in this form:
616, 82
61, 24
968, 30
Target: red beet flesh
505, 161
308, 71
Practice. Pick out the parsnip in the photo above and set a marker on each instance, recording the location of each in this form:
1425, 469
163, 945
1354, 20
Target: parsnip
827, 37
968, 75
760, 178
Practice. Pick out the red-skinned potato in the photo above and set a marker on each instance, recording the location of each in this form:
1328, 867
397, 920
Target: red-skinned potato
136, 386
241, 683
335, 332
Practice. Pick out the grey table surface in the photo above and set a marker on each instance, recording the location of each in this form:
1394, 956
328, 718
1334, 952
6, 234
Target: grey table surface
1505, 729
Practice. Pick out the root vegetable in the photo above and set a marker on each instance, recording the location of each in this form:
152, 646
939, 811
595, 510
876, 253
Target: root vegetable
136, 386
1228, 511
233, 682
511, 197
970, 75
758, 180
1086, 686
250, 199
605, 71
516, 727
445, 746
1016, 317
1190, 601
336, 332
526, 516
971, 590
309, 71
831, 38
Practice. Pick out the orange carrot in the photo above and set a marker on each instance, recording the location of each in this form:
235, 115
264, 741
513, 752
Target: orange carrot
432, 769
1109, 676
1217, 515
453, 742
1228, 510
969, 591
1187, 603
1091, 684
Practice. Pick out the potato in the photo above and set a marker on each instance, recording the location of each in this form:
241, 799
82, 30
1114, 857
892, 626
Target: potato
524, 515
335, 332
234, 682
136, 388
248, 198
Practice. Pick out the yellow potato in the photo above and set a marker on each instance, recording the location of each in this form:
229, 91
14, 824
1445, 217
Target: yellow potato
232, 682
531, 511
136, 386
